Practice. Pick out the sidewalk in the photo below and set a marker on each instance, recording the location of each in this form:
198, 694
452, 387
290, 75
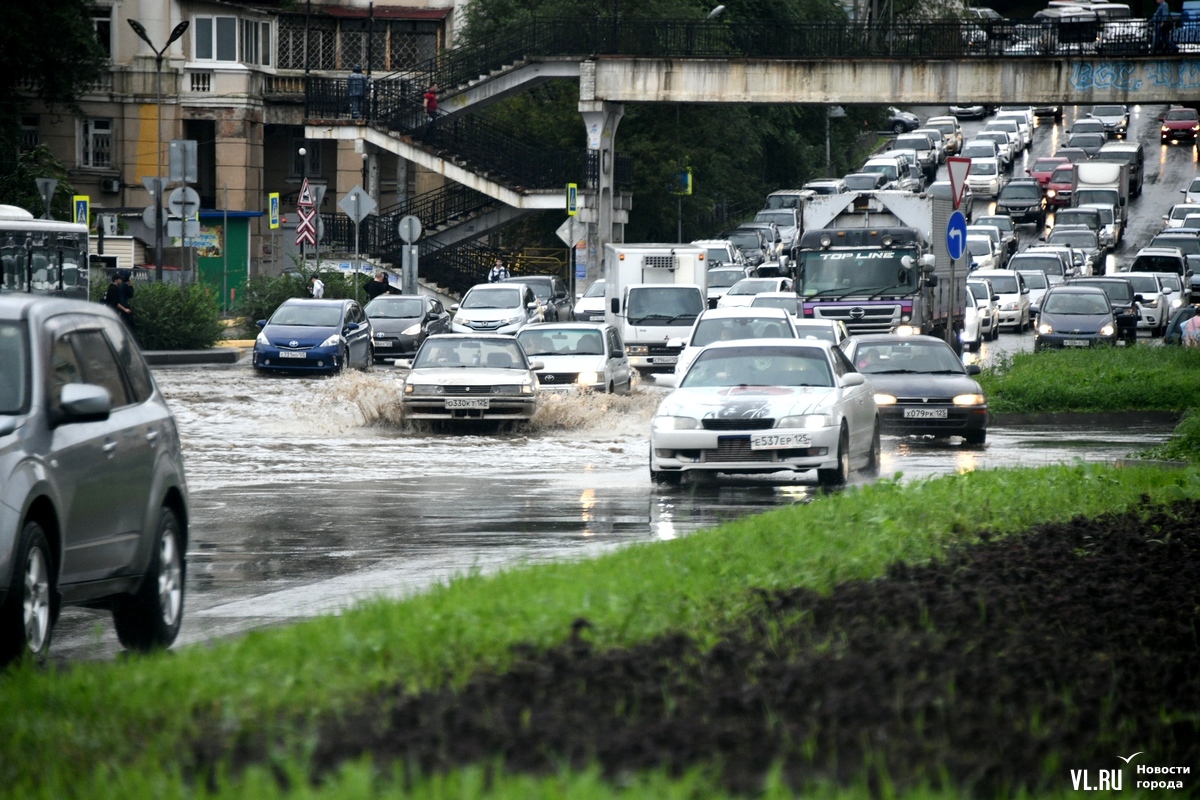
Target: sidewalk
231, 352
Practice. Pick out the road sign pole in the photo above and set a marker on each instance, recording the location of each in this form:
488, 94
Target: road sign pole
357, 258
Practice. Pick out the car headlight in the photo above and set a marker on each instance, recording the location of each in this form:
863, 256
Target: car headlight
332, 341
423, 388
411, 330
807, 421
262, 339
1051, 192
1045, 330
885, 399
637, 349
1107, 330
515, 319
1165, 129
969, 400
907, 330
1176, 302
1010, 307
670, 423
527, 388
1149, 304
588, 378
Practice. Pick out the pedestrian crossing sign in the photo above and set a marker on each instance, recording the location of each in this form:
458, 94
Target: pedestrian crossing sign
82, 204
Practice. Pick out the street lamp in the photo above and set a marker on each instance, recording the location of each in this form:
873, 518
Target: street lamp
158, 176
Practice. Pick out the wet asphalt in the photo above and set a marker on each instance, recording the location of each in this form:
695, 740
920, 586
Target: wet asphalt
310, 494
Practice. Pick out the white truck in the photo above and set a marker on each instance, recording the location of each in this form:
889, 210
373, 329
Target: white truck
1102, 182
653, 293
878, 262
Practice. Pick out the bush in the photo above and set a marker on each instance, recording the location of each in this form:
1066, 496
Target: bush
264, 295
168, 317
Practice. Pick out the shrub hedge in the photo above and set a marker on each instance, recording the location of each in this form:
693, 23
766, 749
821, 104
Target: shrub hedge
168, 317
265, 294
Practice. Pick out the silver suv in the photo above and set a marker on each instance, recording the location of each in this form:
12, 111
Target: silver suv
93, 501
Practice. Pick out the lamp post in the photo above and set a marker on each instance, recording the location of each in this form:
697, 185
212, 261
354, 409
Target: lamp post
158, 176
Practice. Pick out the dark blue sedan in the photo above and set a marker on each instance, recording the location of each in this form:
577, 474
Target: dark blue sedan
314, 336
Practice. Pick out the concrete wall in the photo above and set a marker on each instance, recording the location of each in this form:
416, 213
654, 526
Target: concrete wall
842, 82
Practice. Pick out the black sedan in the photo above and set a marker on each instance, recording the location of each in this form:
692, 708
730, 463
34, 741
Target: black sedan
921, 386
1075, 316
402, 322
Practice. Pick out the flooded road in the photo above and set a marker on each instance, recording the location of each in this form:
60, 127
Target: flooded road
309, 494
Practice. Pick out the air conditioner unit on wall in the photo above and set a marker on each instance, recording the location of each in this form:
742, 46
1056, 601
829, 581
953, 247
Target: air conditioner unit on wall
110, 185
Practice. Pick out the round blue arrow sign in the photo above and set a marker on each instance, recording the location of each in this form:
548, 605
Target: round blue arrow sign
956, 235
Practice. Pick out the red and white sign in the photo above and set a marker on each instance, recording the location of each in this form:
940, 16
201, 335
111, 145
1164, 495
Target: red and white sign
306, 195
306, 230
958, 167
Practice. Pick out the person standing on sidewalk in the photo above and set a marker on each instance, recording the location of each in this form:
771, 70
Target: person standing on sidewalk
115, 298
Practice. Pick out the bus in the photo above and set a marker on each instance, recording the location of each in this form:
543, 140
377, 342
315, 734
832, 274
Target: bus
42, 256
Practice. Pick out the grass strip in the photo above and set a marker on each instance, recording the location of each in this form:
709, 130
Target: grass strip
127, 723
1184, 444
1140, 378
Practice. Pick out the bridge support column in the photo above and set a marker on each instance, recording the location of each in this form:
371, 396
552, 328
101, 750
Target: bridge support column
601, 119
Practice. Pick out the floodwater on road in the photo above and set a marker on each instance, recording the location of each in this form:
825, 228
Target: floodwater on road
309, 494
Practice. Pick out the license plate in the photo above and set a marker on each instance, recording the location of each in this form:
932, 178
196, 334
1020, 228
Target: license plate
924, 413
468, 402
1075, 342
664, 360
380, 343
595, 318
291, 354
778, 441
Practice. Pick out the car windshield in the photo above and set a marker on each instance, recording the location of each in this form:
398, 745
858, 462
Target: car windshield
1108, 111
1189, 245
1049, 265
982, 168
1143, 284
889, 171
728, 329
921, 142
784, 219
745, 240
1170, 281
1020, 191
946, 128
1069, 217
1004, 284
395, 307
1075, 303
307, 315
1047, 164
824, 333
541, 289
1005, 224
979, 290
1086, 139
790, 304
979, 245
978, 150
1118, 292
1034, 279
724, 278
562, 341
759, 366
1062, 175
14, 366
878, 358
861, 182
1155, 263
1179, 114
1194, 186
830, 273
754, 286
469, 352
718, 255
1181, 212
1083, 239
595, 290
664, 305
492, 297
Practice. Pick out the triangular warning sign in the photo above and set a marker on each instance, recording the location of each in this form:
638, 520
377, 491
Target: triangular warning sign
958, 167
306, 196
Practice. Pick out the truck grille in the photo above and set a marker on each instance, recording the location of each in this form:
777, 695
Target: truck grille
737, 448
558, 378
862, 319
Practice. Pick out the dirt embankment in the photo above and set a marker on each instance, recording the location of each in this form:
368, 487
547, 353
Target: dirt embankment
1007, 664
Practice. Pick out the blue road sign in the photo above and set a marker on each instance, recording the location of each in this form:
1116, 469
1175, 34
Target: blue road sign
956, 235
83, 208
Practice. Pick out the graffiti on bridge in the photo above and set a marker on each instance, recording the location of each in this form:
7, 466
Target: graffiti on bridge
1128, 76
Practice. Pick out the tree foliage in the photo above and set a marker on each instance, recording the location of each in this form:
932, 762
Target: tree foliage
48, 48
737, 153
18, 186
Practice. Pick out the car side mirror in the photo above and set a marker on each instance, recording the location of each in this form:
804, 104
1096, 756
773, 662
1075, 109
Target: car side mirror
931, 280
853, 379
668, 379
1024, 290
1138, 298
974, 369
532, 305
403, 363
676, 343
262, 323
615, 305
85, 402
454, 307
536, 365
1167, 290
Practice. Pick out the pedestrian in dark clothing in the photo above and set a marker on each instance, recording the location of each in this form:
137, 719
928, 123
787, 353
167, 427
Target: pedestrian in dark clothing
116, 298
1160, 29
430, 104
380, 286
356, 89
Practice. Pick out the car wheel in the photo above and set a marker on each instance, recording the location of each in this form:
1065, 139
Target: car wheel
662, 477
830, 478
899, 127
873, 459
345, 361
27, 618
976, 437
150, 618
610, 388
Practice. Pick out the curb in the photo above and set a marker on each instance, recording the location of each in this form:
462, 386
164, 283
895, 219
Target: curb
1072, 419
1122, 463
173, 358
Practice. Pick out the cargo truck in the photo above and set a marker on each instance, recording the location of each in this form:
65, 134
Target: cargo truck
653, 293
878, 262
1102, 182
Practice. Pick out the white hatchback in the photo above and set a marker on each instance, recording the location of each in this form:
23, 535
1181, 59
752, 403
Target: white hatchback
578, 355
743, 292
1010, 288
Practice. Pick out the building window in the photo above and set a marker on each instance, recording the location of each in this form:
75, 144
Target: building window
216, 39
265, 29
249, 41
29, 133
102, 22
96, 142
311, 169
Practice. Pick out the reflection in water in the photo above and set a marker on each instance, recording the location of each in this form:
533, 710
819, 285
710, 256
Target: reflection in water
587, 500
